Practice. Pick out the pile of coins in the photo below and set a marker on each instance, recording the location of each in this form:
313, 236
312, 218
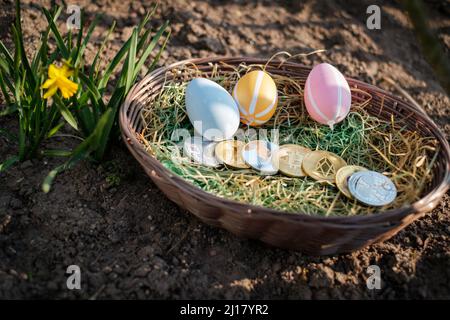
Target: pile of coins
355, 182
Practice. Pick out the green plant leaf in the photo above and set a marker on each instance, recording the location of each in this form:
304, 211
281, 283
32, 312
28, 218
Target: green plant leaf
67, 115
8, 110
7, 54
158, 55
94, 69
131, 60
112, 65
148, 50
80, 51
147, 17
92, 88
8, 163
143, 39
87, 119
17, 55
22, 139
106, 120
4, 65
6, 79
113, 105
41, 56
55, 129
46, 185
57, 153
19, 45
11, 108
82, 151
59, 40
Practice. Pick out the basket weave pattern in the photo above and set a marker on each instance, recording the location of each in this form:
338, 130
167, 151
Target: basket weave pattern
310, 234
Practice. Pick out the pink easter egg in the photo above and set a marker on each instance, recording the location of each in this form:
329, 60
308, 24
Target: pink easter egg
327, 95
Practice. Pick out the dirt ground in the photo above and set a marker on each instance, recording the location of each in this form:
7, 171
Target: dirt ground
131, 242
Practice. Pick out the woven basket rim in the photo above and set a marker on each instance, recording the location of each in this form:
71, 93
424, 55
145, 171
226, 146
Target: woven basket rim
381, 217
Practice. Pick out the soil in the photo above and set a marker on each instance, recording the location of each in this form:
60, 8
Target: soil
131, 242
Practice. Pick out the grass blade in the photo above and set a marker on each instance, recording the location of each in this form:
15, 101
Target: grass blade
46, 185
55, 129
148, 50
56, 153
94, 69
8, 163
8, 110
4, 65
20, 46
43, 50
5, 94
59, 40
92, 88
105, 134
65, 112
82, 151
6, 53
158, 55
131, 61
22, 139
112, 65
80, 51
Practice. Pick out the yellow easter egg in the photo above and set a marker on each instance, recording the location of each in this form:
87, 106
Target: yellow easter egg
256, 96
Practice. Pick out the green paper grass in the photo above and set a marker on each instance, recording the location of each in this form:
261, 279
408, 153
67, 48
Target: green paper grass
361, 139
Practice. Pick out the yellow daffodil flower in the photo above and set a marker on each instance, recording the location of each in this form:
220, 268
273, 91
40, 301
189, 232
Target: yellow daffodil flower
58, 79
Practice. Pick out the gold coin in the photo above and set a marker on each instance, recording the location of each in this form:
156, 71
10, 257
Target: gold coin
229, 152
289, 158
322, 165
342, 176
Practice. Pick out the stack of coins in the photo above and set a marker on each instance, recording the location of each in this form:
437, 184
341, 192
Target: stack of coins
372, 188
342, 176
355, 182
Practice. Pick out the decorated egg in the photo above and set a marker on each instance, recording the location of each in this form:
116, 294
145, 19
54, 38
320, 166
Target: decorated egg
256, 96
211, 109
327, 95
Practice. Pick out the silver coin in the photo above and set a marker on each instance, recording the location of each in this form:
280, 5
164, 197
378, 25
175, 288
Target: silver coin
372, 188
258, 155
201, 151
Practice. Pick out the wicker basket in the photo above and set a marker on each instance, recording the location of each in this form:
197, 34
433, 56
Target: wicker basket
310, 234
